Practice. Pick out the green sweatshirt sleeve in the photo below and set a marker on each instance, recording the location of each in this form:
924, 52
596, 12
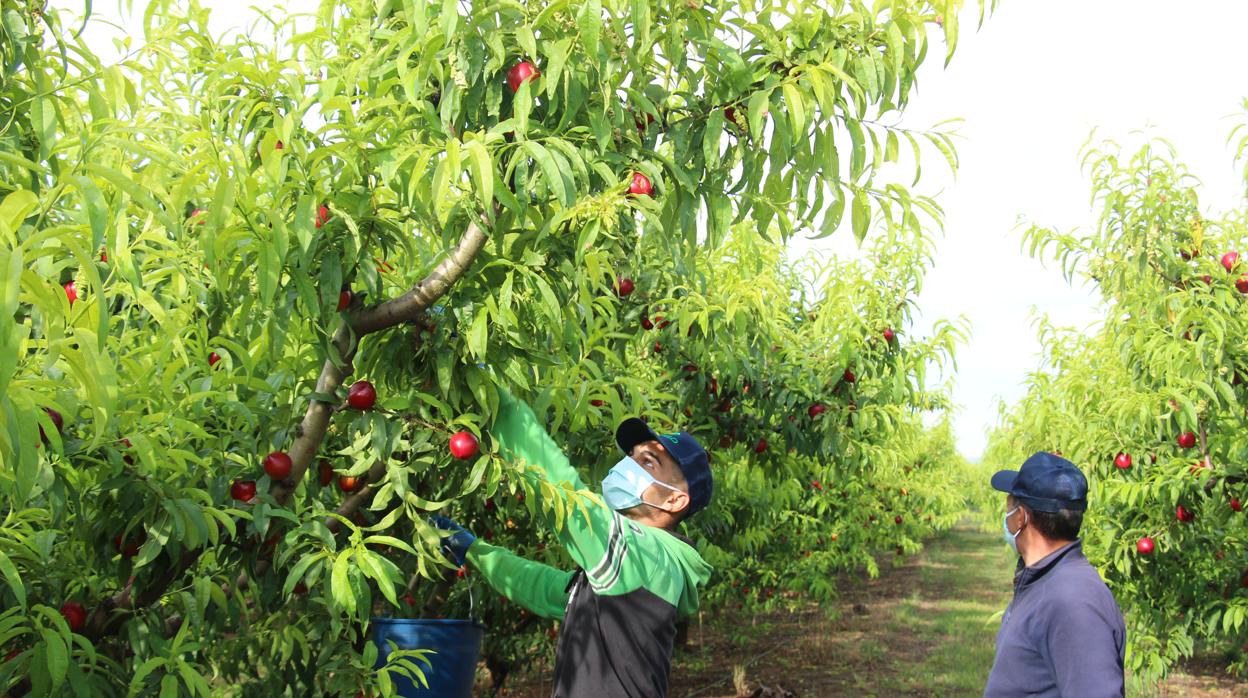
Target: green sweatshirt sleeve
540, 588
590, 527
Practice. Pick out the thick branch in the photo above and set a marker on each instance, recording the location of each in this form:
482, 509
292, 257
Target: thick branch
311, 432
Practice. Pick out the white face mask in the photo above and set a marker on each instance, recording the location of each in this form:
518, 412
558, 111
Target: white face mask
624, 484
1012, 538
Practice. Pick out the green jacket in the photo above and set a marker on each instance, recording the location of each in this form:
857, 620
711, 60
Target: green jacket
620, 606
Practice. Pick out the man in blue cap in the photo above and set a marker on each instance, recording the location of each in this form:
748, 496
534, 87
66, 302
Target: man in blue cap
1062, 635
635, 573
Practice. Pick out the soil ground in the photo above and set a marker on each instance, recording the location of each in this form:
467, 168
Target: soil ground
924, 628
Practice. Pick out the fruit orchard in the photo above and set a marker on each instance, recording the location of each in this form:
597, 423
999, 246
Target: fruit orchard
238, 262
1151, 403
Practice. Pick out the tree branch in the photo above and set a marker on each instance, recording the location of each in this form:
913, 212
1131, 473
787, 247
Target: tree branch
311, 432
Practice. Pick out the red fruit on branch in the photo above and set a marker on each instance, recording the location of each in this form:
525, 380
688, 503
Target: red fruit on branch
71, 292
815, 410
1236, 505
761, 446
849, 376
464, 445
1229, 260
597, 403
713, 386
661, 322
277, 465
322, 215
57, 421
730, 114
1122, 461
889, 335
200, 216
104, 256
324, 473
640, 186
815, 485
658, 347
521, 73
128, 548
643, 121
624, 286
897, 520
461, 572
350, 483
127, 458
646, 324
344, 299
1241, 284
361, 395
278, 145
75, 614
1144, 546
1184, 515
243, 490
1187, 439
213, 358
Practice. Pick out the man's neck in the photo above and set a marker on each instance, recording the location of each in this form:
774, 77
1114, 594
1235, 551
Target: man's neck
1041, 548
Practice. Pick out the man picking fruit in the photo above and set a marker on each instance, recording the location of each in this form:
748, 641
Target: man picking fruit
1062, 635
635, 573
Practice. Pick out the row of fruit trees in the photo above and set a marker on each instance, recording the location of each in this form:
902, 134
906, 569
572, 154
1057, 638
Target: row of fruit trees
1151, 402
267, 288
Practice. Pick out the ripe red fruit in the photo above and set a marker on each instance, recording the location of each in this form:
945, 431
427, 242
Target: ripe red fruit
1236, 505
1189, 255
1229, 260
409, 599
597, 403
127, 458
658, 347
213, 358
640, 185
1187, 439
462, 571
889, 335
1184, 515
646, 324
350, 483
104, 256
128, 548
642, 123
71, 292
361, 395
624, 286
300, 588
661, 322
75, 614
277, 465
278, 145
322, 215
897, 520
464, 445
57, 421
521, 73
1122, 461
1144, 546
324, 472
344, 299
243, 490
815, 410
1241, 284
849, 376
761, 446
730, 113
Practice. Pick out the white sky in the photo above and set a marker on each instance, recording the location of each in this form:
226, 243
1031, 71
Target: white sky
1031, 85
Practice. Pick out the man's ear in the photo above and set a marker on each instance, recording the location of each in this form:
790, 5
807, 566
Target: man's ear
677, 501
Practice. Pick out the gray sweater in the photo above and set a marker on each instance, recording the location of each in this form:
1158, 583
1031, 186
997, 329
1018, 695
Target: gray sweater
1062, 636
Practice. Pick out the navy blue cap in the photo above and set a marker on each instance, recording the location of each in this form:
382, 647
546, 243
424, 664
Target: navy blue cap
685, 449
1045, 483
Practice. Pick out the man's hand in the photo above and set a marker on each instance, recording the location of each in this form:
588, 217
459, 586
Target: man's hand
456, 540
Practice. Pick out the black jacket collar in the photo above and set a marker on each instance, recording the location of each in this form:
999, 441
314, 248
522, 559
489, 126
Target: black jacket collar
1026, 576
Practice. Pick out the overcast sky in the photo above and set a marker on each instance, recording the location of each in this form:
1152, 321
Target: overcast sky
1031, 85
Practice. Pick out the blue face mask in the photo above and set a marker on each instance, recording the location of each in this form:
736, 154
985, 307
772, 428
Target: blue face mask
1012, 538
624, 484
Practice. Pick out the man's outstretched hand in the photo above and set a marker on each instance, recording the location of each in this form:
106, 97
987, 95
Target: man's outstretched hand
455, 540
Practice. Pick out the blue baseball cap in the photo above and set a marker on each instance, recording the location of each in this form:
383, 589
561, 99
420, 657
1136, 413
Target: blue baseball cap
1046, 482
685, 449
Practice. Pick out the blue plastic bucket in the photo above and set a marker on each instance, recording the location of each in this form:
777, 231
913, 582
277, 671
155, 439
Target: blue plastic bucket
457, 644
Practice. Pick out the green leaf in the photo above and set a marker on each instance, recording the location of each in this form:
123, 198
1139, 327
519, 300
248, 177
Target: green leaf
478, 334
482, 173
860, 214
